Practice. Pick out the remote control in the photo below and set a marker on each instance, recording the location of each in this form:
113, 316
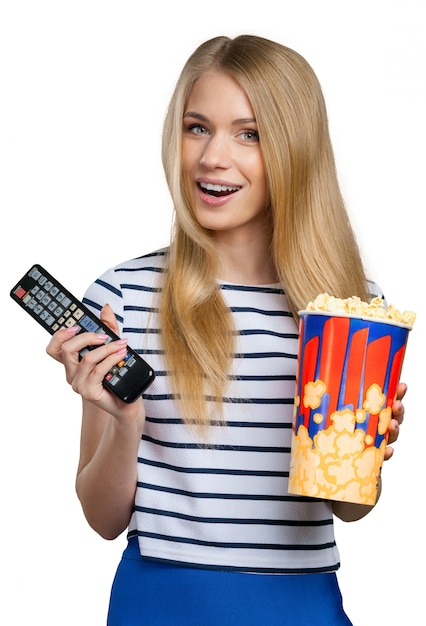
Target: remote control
54, 307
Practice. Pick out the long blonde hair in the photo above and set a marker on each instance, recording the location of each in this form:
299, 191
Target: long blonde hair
313, 246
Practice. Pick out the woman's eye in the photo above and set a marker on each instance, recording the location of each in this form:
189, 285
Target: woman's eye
250, 135
197, 129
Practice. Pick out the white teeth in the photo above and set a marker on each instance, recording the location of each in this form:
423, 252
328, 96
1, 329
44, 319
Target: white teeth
211, 187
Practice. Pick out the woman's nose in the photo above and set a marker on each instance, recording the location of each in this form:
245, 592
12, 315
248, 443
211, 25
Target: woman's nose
216, 153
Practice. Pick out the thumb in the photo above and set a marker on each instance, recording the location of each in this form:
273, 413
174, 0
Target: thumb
108, 318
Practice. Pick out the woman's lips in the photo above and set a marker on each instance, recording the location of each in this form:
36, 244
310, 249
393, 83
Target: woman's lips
216, 194
217, 190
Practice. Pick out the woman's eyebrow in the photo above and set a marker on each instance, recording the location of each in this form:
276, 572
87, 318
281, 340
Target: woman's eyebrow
197, 116
203, 118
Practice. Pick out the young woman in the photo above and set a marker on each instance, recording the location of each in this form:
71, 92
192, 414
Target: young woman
197, 469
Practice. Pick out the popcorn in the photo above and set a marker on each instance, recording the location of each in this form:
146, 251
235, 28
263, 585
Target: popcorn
355, 306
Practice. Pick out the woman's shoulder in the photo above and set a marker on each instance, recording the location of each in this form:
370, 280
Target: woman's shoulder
374, 289
156, 261
137, 275
145, 269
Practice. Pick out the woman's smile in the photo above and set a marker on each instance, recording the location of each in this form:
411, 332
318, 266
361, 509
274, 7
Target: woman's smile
216, 193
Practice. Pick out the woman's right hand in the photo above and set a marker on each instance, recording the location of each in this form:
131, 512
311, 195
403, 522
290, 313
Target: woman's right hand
86, 375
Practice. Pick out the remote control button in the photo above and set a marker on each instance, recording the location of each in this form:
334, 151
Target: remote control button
131, 361
88, 324
20, 292
35, 273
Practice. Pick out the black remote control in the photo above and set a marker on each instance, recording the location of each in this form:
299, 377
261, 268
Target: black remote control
54, 307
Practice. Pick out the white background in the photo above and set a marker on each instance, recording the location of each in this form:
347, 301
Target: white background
84, 87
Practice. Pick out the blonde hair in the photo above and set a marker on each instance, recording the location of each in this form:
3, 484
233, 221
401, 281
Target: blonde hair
313, 246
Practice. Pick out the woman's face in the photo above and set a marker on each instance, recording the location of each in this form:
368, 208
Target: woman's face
221, 157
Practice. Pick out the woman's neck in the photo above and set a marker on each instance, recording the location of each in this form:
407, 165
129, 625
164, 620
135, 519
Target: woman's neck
245, 259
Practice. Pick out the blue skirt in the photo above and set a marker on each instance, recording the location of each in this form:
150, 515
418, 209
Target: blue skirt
151, 593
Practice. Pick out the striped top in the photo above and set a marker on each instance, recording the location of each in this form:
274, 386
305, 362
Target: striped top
222, 502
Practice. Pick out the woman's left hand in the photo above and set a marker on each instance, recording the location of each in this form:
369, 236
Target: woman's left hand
396, 420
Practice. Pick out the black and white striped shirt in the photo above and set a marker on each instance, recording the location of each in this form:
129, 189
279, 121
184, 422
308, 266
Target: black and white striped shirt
221, 503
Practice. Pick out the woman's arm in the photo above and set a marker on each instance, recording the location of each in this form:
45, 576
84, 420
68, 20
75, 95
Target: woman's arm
106, 475
349, 512
111, 429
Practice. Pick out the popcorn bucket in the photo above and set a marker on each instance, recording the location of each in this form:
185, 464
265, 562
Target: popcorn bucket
348, 371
